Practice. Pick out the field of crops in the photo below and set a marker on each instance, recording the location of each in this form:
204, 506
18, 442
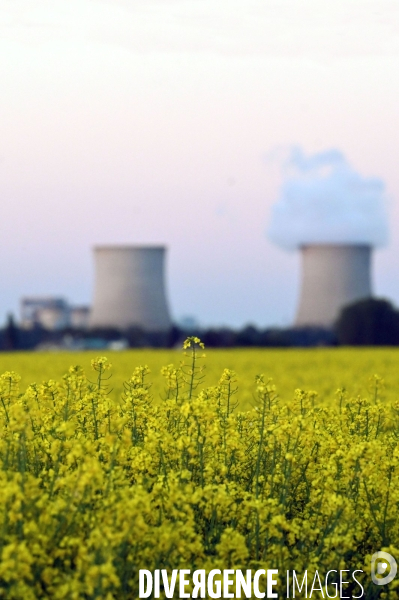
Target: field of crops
197, 469
323, 370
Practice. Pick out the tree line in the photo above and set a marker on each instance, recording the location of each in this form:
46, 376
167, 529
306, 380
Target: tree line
368, 322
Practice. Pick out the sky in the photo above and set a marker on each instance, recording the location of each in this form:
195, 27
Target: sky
163, 121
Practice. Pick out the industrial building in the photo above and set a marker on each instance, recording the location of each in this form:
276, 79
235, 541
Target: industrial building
333, 275
129, 289
52, 313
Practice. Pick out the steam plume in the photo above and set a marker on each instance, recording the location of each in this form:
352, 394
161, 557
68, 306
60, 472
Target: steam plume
324, 201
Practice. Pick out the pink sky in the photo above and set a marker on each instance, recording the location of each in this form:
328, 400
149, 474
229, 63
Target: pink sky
151, 121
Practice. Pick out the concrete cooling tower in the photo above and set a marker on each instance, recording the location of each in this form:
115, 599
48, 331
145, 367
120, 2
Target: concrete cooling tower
129, 288
333, 275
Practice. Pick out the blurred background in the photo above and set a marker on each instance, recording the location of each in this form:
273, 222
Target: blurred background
176, 123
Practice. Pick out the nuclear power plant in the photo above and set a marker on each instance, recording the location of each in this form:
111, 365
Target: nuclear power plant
333, 275
335, 217
129, 289
328, 212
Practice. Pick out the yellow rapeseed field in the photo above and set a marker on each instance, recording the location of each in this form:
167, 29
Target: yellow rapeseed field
203, 469
321, 369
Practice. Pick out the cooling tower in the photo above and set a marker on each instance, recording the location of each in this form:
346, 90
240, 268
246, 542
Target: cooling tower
129, 288
333, 275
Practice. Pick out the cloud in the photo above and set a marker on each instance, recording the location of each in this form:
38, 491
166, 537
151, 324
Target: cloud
323, 200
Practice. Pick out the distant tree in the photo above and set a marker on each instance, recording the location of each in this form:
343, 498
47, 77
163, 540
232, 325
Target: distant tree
175, 335
248, 336
219, 338
10, 334
368, 322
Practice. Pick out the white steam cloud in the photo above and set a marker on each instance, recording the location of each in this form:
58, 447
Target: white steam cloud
324, 201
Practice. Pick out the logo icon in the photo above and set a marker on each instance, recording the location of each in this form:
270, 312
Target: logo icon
380, 563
